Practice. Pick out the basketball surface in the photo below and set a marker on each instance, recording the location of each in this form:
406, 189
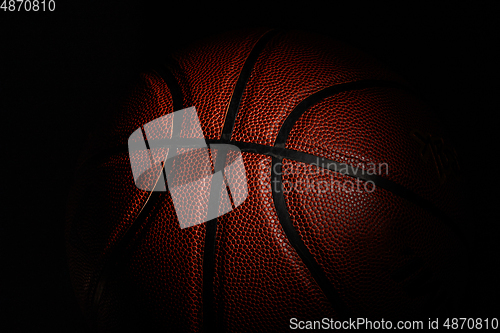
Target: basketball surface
352, 196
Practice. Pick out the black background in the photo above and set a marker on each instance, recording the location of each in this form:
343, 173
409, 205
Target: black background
58, 71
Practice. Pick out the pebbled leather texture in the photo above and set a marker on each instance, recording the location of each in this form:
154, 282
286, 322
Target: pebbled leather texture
386, 256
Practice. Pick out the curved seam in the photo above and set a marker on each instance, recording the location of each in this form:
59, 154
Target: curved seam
210, 322
115, 254
293, 236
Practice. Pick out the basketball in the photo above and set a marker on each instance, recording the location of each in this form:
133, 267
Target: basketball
262, 180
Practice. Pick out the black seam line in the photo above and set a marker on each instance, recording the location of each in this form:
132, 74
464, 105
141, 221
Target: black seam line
241, 83
293, 236
278, 194
114, 256
145, 139
211, 227
358, 173
297, 243
282, 134
210, 322
175, 89
325, 163
116, 253
208, 296
325, 93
